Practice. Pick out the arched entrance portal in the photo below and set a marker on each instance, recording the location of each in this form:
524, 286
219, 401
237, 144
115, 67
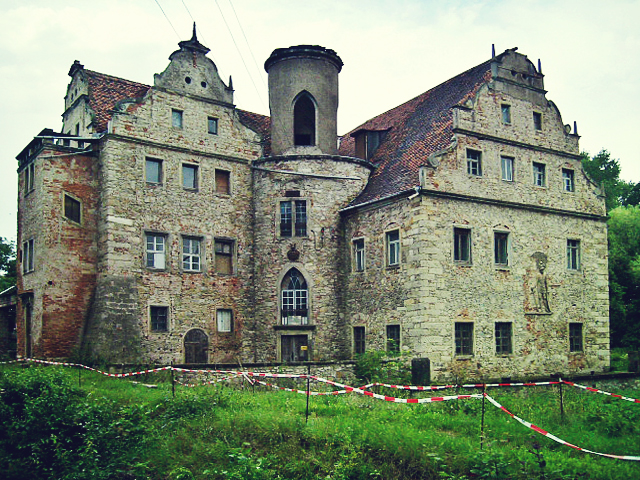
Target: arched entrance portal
196, 346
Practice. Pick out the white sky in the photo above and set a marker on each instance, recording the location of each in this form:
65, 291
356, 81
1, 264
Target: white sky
392, 51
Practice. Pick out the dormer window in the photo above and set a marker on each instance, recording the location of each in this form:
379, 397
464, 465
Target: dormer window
367, 142
304, 121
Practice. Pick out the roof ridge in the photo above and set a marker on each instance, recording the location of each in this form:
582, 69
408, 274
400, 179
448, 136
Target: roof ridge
117, 78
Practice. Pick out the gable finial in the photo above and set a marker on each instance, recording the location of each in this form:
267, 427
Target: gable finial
194, 37
493, 50
539, 66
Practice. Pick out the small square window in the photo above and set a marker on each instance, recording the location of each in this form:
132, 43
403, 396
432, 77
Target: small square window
503, 338
568, 180
28, 264
575, 337
537, 121
462, 245
223, 181
501, 248
393, 248
191, 254
359, 345
464, 338
224, 256
358, 255
539, 174
474, 162
176, 118
506, 164
190, 176
159, 318
506, 113
72, 209
155, 251
153, 171
225, 320
393, 338
573, 254
212, 124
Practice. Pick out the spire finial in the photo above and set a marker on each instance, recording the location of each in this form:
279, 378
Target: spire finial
194, 37
493, 50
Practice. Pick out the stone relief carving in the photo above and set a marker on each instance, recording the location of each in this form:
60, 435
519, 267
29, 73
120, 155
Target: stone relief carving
538, 286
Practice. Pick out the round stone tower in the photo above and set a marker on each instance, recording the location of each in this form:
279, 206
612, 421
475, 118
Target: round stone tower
303, 99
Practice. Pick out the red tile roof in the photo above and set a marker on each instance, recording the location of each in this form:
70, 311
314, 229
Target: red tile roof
417, 128
106, 91
260, 124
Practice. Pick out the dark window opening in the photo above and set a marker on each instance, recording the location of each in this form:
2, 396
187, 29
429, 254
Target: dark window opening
304, 121
358, 340
462, 245
501, 248
393, 338
212, 125
575, 337
159, 319
293, 218
295, 348
503, 338
464, 338
72, 209
196, 346
537, 121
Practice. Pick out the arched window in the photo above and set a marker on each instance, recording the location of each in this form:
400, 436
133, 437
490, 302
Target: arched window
304, 120
196, 346
295, 305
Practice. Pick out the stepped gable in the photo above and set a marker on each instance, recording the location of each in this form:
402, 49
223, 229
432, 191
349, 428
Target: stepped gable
416, 129
261, 124
106, 91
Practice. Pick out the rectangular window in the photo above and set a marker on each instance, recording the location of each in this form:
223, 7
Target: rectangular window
159, 318
393, 338
223, 181
212, 125
507, 168
503, 338
358, 340
224, 256
537, 121
293, 218
462, 245
28, 264
474, 162
575, 337
358, 255
573, 254
464, 338
567, 180
72, 209
190, 176
501, 248
153, 171
393, 248
155, 251
506, 113
176, 118
29, 176
225, 320
191, 254
539, 174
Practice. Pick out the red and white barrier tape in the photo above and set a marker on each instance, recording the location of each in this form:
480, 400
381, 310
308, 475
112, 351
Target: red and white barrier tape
597, 390
469, 385
304, 392
556, 439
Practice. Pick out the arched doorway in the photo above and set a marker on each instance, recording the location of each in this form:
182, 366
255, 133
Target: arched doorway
196, 346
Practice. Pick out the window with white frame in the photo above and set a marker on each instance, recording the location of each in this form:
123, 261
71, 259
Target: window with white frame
539, 174
501, 248
358, 255
462, 245
190, 176
28, 263
506, 164
155, 252
568, 182
573, 254
225, 320
393, 248
191, 254
295, 299
293, 218
474, 162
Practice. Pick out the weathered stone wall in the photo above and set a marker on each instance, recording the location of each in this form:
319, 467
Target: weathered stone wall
320, 259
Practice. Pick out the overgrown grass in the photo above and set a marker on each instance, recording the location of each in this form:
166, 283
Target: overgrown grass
112, 428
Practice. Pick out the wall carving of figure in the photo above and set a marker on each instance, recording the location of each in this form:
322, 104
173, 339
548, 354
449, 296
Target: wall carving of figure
538, 286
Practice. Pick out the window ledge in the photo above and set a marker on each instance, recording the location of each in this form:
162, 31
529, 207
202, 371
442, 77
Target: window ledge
462, 264
393, 267
464, 357
294, 327
502, 268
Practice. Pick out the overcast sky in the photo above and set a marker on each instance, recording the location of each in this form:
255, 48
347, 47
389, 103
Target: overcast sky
392, 51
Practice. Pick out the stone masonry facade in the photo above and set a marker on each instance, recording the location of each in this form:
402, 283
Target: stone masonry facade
163, 224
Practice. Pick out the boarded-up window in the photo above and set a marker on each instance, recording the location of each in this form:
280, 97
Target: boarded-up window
196, 346
223, 184
224, 256
295, 348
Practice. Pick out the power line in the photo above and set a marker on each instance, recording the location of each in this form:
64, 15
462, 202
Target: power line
248, 46
165, 16
203, 38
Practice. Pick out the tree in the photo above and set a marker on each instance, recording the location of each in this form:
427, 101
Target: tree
605, 171
7, 264
624, 276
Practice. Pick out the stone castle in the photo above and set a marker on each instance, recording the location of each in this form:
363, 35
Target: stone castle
163, 224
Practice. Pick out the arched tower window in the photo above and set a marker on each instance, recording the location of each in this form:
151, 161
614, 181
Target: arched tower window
196, 346
295, 299
304, 120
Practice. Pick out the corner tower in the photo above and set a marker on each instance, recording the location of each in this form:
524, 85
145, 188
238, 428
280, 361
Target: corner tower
303, 99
